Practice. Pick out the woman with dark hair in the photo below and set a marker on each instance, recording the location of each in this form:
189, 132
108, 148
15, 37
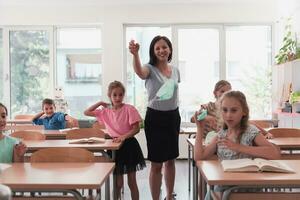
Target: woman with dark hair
162, 121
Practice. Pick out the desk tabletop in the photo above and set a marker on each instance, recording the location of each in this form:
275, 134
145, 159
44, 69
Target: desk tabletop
41, 144
56, 175
188, 130
213, 173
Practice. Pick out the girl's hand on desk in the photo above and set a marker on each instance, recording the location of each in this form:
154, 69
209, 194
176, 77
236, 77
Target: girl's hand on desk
20, 149
269, 136
120, 139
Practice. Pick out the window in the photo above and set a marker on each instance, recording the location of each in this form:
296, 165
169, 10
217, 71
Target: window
206, 54
248, 66
29, 65
1, 68
198, 53
79, 67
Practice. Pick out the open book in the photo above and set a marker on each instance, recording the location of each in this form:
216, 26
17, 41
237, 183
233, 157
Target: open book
255, 165
88, 140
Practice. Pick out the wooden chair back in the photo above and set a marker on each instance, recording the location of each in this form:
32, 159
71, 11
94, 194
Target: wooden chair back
263, 123
71, 122
23, 127
63, 154
285, 132
24, 116
98, 126
28, 135
84, 133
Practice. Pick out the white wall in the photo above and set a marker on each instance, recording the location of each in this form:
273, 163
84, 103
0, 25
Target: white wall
112, 18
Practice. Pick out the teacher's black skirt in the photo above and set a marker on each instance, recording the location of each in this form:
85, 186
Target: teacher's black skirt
162, 133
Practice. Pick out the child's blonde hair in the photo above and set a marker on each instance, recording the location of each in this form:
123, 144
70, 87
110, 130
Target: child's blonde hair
240, 97
220, 84
114, 85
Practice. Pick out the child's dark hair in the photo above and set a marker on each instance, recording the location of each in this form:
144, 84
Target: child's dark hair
153, 59
48, 101
240, 97
3, 106
113, 85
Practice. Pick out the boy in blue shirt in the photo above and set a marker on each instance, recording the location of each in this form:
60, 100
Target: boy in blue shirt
53, 120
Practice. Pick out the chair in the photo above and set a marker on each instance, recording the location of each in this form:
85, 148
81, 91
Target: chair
63, 154
263, 123
98, 126
23, 127
71, 122
84, 133
28, 135
23, 116
285, 132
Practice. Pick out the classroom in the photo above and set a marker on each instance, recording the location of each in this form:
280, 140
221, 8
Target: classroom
81, 61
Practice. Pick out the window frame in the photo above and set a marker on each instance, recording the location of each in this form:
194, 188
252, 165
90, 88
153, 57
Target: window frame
222, 41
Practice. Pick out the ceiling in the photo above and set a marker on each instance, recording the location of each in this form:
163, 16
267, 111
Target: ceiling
123, 2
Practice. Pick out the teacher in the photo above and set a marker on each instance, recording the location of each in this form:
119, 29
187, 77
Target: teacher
162, 121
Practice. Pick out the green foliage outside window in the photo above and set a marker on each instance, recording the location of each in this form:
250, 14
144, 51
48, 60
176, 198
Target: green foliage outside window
29, 70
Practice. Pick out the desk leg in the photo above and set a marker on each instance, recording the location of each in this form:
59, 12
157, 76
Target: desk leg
189, 162
202, 187
107, 189
114, 178
194, 180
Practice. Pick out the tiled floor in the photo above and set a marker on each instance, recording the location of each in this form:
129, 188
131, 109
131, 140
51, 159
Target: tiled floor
181, 183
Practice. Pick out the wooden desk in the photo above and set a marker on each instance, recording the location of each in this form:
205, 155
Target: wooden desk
212, 173
97, 147
57, 177
188, 130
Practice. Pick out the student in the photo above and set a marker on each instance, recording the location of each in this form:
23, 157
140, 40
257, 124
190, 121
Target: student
212, 124
122, 122
53, 120
212, 119
11, 150
237, 138
162, 121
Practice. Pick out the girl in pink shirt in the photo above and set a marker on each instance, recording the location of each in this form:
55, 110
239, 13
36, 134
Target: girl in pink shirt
122, 122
